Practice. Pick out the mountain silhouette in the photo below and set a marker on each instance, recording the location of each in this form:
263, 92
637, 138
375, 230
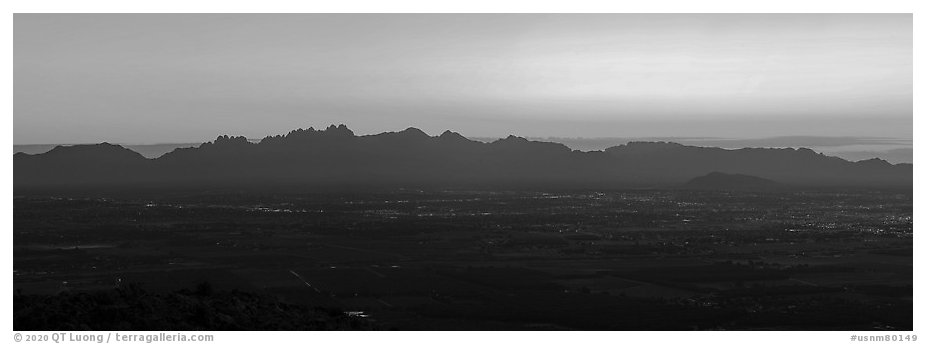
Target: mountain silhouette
336, 156
724, 181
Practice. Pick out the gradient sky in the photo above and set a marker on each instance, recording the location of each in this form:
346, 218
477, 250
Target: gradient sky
146, 78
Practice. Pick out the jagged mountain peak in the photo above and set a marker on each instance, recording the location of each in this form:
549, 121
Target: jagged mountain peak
340, 130
301, 132
230, 140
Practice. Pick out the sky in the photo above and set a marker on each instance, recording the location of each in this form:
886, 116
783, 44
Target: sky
159, 78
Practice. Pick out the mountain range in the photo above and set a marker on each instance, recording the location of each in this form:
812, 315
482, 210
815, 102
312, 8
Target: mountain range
308, 158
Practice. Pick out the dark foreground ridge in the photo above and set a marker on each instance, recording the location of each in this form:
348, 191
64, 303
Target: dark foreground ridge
335, 156
134, 308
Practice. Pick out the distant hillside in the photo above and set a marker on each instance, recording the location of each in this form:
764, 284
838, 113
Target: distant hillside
335, 156
150, 151
724, 181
